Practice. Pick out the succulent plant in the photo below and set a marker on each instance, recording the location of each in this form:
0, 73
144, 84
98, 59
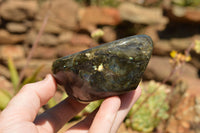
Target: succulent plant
146, 117
187, 2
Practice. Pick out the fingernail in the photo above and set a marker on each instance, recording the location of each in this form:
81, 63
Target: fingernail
47, 77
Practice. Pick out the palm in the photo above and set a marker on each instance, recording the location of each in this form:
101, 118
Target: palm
20, 114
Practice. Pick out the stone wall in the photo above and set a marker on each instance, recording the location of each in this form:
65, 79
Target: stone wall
70, 24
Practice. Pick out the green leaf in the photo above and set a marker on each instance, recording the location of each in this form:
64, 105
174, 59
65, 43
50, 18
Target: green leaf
89, 108
97, 34
33, 77
4, 98
52, 102
194, 3
64, 96
13, 73
92, 106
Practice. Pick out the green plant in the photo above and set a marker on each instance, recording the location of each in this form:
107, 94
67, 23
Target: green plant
5, 96
92, 106
186, 2
110, 3
146, 117
32, 77
89, 108
51, 103
16, 78
13, 74
97, 34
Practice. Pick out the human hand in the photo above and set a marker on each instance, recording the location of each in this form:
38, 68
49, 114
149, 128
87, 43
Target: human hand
20, 116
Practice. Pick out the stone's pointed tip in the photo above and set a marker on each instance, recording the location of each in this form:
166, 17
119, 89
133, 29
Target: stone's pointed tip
106, 70
140, 36
148, 38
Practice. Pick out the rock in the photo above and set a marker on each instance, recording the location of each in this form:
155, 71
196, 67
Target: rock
92, 16
63, 13
65, 37
158, 73
197, 116
5, 84
66, 49
185, 117
123, 129
82, 39
13, 51
151, 2
46, 39
180, 44
106, 70
45, 52
162, 72
141, 15
43, 72
152, 31
180, 126
4, 72
18, 10
109, 34
191, 113
193, 85
34, 63
7, 38
49, 40
196, 61
16, 27
50, 27
162, 47
182, 14
145, 2
190, 71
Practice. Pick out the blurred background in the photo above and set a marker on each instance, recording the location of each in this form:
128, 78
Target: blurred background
33, 33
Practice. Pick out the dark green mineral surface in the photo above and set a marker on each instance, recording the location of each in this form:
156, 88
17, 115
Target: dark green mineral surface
106, 70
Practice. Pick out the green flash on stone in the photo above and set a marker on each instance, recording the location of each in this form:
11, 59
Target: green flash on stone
109, 69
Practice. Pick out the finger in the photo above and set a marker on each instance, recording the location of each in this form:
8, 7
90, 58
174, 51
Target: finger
84, 125
105, 117
25, 105
127, 101
57, 116
100, 120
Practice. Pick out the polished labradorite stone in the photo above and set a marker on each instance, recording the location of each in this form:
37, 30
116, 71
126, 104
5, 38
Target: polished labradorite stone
106, 70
